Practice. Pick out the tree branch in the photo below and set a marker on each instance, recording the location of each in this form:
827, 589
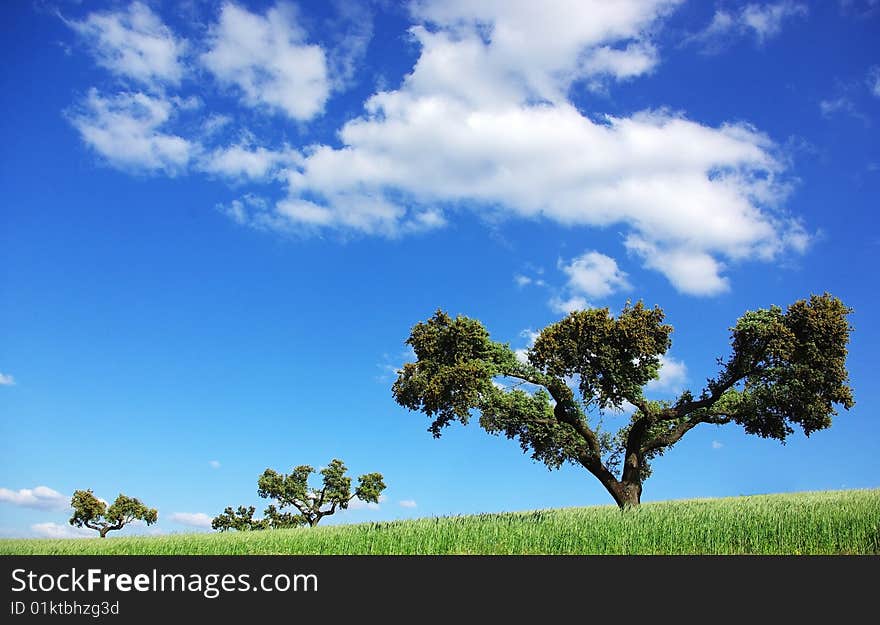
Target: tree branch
565, 411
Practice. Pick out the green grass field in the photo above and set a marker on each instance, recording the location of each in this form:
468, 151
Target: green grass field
828, 522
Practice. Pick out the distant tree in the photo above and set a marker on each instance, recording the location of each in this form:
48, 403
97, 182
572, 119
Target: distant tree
241, 520
786, 368
311, 504
91, 512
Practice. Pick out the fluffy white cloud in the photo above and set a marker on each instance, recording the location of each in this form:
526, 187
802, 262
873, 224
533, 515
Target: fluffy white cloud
56, 530
673, 375
246, 162
6, 380
191, 519
595, 275
408, 503
717, 444
41, 498
267, 58
134, 43
563, 306
690, 270
762, 21
126, 129
483, 121
528, 44
465, 128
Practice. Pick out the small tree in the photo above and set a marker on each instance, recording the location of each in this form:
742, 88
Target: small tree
91, 512
311, 504
241, 520
786, 369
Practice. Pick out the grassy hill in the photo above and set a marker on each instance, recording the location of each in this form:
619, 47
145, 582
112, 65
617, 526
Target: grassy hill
827, 522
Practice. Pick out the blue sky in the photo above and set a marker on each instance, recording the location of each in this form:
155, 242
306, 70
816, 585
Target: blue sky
220, 221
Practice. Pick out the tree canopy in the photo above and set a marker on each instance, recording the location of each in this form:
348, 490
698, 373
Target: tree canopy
310, 504
91, 512
786, 369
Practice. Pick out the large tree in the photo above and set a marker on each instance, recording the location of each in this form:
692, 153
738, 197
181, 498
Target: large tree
91, 512
786, 369
311, 504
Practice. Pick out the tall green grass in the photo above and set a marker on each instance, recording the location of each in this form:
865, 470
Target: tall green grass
829, 522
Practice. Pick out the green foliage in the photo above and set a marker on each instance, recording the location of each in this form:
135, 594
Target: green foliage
91, 512
612, 357
794, 365
786, 369
241, 520
822, 523
292, 490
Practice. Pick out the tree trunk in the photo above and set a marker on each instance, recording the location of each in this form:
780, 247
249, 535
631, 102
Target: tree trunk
630, 495
104, 531
626, 494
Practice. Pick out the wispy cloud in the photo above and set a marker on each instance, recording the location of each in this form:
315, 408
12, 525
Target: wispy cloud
408, 503
717, 445
191, 519
6, 380
214, 464
842, 105
56, 530
40, 498
873, 80
760, 21
357, 504
523, 280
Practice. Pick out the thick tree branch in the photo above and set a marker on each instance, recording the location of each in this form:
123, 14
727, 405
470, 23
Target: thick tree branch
565, 411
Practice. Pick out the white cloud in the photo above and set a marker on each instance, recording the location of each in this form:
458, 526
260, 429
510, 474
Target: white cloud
531, 336
191, 519
408, 503
56, 530
215, 123
672, 375
523, 280
268, 60
574, 39
214, 464
595, 275
762, 21
873, 80
475, 137
246, 162
766, 20
6, 380
717, 445
840, 104
41, 498
568, 305
352, 30
690, 270
357, 504
126, 130
482, 122
134, 43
